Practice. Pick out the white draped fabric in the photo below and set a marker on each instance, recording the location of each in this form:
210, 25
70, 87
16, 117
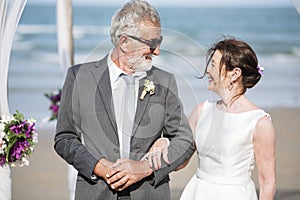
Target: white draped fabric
66, 56
10, 13
5, 183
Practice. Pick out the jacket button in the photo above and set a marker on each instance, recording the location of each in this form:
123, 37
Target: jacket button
116, 150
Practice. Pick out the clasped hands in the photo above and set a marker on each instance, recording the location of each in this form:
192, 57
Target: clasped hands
124, 172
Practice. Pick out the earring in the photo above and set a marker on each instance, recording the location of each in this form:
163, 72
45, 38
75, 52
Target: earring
230, 87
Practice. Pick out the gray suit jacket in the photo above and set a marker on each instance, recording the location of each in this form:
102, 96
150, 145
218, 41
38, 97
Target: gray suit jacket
87, 131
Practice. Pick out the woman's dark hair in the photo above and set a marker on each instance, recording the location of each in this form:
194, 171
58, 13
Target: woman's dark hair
236, 53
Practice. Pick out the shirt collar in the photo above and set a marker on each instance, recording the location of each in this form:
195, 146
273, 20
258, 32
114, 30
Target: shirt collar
114, 70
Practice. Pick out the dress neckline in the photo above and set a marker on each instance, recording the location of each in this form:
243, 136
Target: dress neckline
230, 113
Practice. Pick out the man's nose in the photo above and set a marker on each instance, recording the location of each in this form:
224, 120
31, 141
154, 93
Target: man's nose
156, 51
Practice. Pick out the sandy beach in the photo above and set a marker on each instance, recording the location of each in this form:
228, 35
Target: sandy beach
46, 177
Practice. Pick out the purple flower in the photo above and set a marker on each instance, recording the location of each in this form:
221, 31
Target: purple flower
55, 98
54, 108
55, 102
260, 70
29, 129
18, 149
18, 138
17, 129
2, 160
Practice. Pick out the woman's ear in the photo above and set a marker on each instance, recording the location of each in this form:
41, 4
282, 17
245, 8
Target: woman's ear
236, 74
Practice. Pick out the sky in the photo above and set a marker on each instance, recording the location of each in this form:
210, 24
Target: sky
188, 3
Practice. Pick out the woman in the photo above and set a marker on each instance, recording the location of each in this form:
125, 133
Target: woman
232, 133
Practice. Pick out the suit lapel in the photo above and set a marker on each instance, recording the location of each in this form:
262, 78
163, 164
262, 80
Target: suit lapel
101, 76
141, 104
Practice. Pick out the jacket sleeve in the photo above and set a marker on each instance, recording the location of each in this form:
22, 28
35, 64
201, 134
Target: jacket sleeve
67, 140
177, 130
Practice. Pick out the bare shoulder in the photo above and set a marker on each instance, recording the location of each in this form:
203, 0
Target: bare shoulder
264, 128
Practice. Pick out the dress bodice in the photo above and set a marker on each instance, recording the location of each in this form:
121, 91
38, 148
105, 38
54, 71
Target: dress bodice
225, 143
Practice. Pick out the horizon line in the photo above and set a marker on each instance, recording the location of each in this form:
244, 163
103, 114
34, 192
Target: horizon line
178, 6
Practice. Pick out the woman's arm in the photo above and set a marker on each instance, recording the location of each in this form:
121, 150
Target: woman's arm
194, 117
193, 120
264, 150
160, 147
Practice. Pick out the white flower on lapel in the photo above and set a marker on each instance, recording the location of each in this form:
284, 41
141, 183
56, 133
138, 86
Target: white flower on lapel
149, 87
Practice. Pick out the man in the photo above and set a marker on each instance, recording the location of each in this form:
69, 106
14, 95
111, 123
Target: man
103, 134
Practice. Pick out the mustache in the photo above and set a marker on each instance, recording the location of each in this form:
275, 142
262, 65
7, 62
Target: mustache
149, 56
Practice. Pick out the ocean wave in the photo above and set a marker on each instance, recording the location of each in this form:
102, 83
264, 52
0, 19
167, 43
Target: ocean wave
278, 63
52, 28
82, 31
23, 46
296, 51
36, 28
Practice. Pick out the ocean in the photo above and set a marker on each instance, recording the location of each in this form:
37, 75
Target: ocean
274, 33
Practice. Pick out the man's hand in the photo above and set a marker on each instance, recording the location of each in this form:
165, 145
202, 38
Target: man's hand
127, 172
102, 168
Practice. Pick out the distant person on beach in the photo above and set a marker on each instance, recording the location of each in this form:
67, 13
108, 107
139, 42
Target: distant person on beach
231, 134
107, 123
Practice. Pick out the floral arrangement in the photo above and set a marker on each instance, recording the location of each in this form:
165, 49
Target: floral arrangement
149, 87
55, 101
17, 139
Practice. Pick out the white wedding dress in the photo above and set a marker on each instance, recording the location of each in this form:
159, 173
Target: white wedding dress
225, 152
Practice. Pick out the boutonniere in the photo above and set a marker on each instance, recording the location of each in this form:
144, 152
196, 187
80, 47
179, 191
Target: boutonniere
149, 87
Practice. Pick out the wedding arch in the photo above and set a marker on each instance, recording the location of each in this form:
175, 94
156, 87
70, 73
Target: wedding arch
64, 21
10, 14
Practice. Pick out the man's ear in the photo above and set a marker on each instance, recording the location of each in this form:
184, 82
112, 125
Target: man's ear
123, 43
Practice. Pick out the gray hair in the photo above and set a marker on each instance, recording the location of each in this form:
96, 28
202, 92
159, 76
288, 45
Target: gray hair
127, 19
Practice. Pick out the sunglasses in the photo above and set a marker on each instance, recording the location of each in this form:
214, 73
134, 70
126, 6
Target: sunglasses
151, 43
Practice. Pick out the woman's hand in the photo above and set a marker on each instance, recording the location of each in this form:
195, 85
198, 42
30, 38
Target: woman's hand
159, 149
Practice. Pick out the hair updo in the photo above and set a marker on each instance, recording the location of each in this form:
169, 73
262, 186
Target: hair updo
236, 53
